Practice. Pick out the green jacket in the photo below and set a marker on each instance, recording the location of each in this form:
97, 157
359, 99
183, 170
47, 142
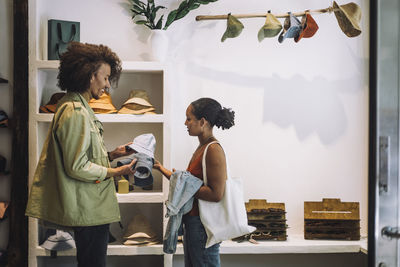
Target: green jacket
64, 189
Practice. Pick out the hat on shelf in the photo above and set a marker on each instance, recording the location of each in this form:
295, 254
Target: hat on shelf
309, 27
138, 103
291, 28
139, 231
3, 119
103, 105
348, 17
3, 209
233, 28
271, 28
51, 106
60, 241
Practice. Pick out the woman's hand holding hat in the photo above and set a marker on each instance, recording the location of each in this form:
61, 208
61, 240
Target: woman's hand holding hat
127, 169
121, 151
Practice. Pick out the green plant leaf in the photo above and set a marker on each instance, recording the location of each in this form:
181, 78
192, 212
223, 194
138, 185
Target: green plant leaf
182, 6
194, 6
141, 22
159, 22
182, 14
204, 2
170, 18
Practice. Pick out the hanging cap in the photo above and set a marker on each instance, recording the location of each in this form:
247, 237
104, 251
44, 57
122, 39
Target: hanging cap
271, 28
103, 105
348, 17
138, 103
309, 27
233, 29
50, 107
58, 242
291, 28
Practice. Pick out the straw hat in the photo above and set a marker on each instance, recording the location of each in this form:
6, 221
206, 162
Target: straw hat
103, 105
139, 229
50, 107
138, 103
233, 29
291, 28
309, 27
271, 28
348, 17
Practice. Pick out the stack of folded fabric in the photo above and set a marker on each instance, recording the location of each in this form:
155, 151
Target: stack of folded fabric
268, 218
138, 103
103, 105
331, 219
50, 107
139, 232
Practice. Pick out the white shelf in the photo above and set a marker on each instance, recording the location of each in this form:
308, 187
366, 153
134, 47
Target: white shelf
127, 66
121, 250
141, 198
294, 245
157, 118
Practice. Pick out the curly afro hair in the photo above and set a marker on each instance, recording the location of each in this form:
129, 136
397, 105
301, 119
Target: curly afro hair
81, 61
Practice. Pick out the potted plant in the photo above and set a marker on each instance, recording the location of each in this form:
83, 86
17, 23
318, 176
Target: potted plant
149, 12
146, 13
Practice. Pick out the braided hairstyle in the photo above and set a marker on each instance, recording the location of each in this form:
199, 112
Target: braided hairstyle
213, 112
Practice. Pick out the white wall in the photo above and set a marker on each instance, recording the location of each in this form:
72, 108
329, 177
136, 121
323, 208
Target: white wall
301, 130
6, 72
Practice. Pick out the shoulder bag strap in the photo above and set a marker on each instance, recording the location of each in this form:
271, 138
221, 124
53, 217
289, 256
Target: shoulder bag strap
204, 162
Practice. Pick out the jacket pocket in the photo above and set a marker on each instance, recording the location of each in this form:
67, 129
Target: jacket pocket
96, 150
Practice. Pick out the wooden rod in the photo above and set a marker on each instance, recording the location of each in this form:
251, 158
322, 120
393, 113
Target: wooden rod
245, 16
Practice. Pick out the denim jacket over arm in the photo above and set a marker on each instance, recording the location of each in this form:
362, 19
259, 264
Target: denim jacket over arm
182, 187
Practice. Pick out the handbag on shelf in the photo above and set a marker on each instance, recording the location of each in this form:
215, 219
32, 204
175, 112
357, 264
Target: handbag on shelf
60, 34
227, 218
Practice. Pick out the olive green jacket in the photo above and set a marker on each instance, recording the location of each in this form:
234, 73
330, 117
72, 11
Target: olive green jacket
64, 189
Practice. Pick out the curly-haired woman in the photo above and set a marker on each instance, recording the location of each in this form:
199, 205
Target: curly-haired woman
201, 117
73, 186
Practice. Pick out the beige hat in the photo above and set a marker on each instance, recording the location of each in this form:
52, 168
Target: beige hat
348, 17
271, 28
138, 103
103, 105
139, 228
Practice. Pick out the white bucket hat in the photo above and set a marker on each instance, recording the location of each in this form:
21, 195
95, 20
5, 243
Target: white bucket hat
60, 241
144, 143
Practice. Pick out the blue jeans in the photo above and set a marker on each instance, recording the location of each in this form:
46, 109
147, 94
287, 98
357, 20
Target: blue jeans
91, 245
194, 242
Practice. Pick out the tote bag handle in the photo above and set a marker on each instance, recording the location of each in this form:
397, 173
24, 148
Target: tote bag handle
204, 161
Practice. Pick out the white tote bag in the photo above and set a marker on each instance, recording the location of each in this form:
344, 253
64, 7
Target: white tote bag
227, 218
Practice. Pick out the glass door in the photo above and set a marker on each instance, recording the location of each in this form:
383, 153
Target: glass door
384, 233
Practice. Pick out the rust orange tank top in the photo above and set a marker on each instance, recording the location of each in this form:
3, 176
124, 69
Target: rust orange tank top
195, 168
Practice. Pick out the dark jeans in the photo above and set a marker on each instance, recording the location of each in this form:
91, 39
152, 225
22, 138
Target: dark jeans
194, 242
91, 245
